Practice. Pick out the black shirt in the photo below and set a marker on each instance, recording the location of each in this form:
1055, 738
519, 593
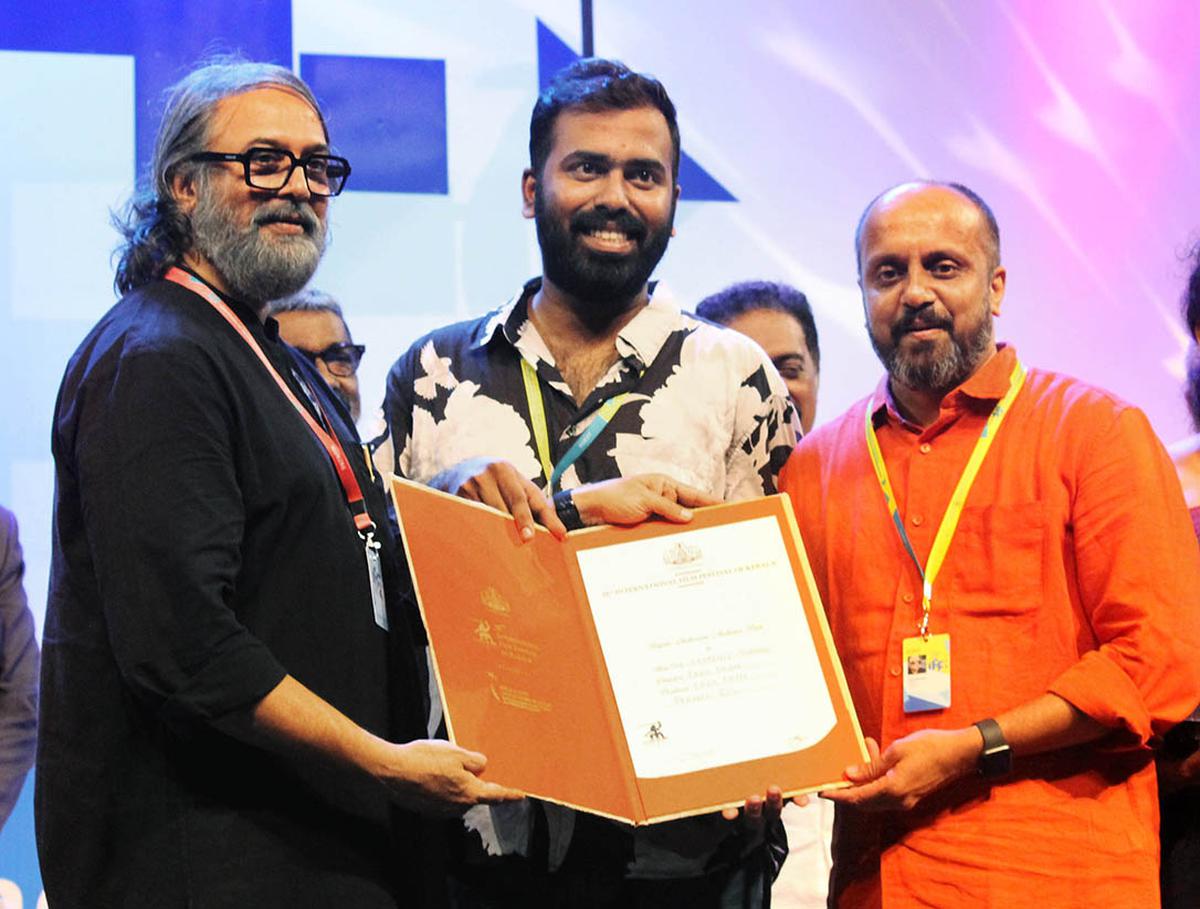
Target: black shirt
202, 549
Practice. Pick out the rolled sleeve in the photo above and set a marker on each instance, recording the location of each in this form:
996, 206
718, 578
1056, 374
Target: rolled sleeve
766, 429
1138, 569
398, 410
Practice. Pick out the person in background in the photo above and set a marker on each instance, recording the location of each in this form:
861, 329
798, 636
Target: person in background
779, 319
18, 670
313, 323
1179, 756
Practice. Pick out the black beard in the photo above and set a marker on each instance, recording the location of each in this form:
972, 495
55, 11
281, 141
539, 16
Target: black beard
921, 369
256, 269
605, 283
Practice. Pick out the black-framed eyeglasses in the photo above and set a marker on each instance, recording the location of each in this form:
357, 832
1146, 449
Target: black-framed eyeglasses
272, 168
341, 359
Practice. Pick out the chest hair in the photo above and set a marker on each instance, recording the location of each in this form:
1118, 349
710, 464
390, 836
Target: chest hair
583, 368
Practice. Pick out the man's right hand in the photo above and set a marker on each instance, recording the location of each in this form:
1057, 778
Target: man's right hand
437, 778
498, 484
429, 776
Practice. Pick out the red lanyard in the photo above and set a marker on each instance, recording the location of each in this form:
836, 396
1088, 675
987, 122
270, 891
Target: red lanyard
345, 473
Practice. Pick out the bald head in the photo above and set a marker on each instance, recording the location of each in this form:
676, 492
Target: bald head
935, 189
930, 289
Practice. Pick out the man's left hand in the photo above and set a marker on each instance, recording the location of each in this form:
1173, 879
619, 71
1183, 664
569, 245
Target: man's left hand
631, 500
760, 810
1174, 775
910, 769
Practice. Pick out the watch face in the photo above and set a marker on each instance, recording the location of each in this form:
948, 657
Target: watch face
996, 759
996, 762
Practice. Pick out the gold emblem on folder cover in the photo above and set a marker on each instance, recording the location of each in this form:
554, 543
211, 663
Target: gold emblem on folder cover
493, 600
483, 633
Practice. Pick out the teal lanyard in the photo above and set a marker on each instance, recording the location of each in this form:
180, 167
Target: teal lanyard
541, 435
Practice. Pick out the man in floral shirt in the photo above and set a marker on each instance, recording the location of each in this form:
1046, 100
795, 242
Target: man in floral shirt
591, 398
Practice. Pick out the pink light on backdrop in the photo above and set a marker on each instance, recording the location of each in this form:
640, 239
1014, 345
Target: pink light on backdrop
1096, 96
1076, 121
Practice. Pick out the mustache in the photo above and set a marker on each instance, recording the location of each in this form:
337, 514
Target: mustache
918, 320
287, 211
608, 219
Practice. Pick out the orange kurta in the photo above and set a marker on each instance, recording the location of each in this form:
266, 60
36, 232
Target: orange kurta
1074, 570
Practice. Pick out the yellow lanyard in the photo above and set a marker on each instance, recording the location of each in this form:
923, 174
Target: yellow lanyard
945, 533
541, 435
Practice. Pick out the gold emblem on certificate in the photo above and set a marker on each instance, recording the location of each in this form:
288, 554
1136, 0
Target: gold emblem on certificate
682, 554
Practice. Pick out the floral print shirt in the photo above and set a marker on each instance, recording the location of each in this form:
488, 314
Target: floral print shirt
705, 404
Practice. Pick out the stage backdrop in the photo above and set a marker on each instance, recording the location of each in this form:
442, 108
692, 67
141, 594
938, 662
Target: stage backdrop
1077, 121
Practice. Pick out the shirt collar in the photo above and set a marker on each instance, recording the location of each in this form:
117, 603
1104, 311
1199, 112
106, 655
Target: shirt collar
646, 332
508, 321
988, 383
641, 339
243, 311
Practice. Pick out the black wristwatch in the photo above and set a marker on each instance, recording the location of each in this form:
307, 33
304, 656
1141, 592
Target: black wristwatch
564, 505
996, 760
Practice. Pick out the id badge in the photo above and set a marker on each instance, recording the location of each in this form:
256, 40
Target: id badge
926, 672
375, 574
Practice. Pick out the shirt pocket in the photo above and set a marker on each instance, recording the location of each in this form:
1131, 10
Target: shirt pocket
994, 564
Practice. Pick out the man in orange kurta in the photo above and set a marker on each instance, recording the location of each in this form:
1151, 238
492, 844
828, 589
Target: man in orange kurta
1069, 592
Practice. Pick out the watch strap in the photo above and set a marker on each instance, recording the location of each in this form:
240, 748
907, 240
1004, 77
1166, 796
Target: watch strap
995, 761
564, 506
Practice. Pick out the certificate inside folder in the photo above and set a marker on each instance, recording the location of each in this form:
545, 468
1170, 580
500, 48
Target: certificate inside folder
642, 673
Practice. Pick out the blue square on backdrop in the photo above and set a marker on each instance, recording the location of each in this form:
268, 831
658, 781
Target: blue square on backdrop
387, 115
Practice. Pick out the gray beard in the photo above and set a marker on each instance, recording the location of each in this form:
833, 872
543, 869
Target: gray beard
922, 371
257, 269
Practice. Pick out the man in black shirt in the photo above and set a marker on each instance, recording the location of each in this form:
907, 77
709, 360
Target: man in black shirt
227, 660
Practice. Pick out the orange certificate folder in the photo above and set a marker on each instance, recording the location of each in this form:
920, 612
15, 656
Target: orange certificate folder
640, 673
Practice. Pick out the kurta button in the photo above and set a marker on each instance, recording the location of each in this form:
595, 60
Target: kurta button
916, 519
895, 670
908, 598
926, 448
